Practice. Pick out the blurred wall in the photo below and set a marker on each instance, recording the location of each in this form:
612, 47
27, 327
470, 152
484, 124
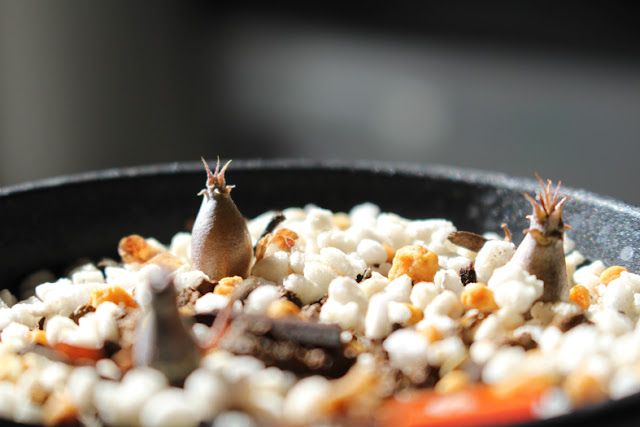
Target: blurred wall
104, 84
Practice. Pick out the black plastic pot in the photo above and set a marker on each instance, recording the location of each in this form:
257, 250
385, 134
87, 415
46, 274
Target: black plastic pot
52, 223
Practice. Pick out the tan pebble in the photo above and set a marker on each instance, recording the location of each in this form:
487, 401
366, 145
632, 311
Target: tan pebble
284, 239
341, 221
282, 308
416, 261
261, 247
114, 294
59, 411
38, 337
11, 367
391, 252
583, 389
452, 382
37, 394
519, 384
416, 314
430, 333
135, 248
611, 274
227, 285
166, 259
478, 296
186, 310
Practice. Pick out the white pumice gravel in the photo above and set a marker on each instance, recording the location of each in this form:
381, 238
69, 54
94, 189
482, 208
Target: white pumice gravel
337, 269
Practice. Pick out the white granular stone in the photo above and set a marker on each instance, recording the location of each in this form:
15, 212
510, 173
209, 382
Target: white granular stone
234, 419
451, 350
297, 260
168, 407
7, 394
399, 313
16, 332
507, 361
87, 274
589, 275
514, 287
321, 274
80, 386
445, 325
341, 263
185, 278
399, 289
619, 296
209, 302
259, 299
346, 304
445, 303
306, 290
364, 214
407, 350
108, 369
423, 293
552, 403
208, 392
372, 251
611, 322
630, 279
482, 350
181, 246
120, 403
274, 268
494, 254
449, 280
301, 403
573, 260
377, 324
624, 383
336, 239
376, 283
490, 328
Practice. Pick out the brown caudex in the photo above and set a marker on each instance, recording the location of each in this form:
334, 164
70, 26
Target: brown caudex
221, 245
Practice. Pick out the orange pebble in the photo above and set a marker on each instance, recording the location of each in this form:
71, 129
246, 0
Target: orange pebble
227, 285
430, 333
416, 314
38, 337
580, 295
135, 248
390, 252
114, 294
416, 261
281, 308
477, 295
611, 274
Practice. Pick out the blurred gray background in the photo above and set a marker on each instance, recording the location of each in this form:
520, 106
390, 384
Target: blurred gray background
506, 86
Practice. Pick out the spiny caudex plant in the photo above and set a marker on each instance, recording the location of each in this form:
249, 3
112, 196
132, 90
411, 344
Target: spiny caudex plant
221, 245
541, 253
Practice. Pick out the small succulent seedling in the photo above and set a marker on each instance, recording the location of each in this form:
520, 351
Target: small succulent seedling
541, 253
220, 245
